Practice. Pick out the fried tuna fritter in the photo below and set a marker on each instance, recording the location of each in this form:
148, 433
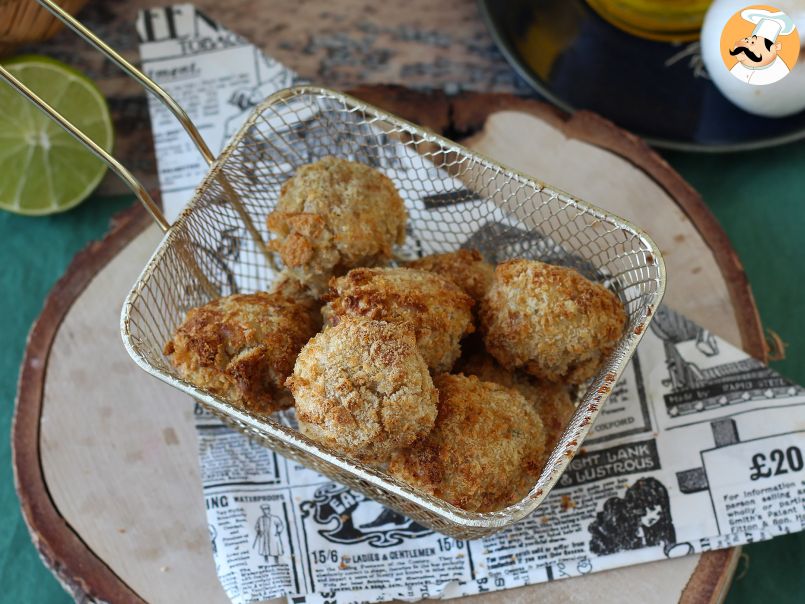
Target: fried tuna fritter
485, 451
334, 215
287, 284
550, 400
439, 311
243, 347
550, 321
362, 388
465, 268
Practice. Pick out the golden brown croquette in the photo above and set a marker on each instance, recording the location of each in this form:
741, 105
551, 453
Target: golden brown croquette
362, 388
439, 311
550, 321
485, 451
243, 347
334, 215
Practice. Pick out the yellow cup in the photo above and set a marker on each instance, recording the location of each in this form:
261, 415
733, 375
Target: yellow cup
665, 20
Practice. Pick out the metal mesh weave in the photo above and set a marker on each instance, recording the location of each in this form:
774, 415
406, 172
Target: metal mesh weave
454, 198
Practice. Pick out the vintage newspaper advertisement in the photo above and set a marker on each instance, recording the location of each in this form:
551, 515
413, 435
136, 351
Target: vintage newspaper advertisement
699, 447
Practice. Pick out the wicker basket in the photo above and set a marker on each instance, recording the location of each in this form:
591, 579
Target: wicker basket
24, 21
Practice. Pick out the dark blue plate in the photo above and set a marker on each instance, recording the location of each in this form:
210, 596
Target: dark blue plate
658, 90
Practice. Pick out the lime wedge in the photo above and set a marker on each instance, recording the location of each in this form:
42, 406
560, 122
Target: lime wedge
42, 168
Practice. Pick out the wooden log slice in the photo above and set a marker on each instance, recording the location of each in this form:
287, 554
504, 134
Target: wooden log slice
104, 456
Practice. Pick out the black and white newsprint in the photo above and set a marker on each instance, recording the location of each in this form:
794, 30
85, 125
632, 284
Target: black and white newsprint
699, 447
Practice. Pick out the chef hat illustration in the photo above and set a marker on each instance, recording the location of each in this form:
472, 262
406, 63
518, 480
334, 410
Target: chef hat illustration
769, 25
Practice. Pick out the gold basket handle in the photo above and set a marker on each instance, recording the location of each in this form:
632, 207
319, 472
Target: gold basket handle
127, 177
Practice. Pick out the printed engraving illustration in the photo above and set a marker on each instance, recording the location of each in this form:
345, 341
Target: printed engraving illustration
350, 517
213, 536
700, 378
268, 534
641, 518
271, 77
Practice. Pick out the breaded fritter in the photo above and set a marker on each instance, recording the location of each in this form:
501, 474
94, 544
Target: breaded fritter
550, 321
243, 347
465, 268
550, 400
439, 311
485, 451
362, 388
334, 215
287, 284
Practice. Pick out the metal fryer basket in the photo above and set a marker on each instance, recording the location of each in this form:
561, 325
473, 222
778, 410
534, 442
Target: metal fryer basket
454, 198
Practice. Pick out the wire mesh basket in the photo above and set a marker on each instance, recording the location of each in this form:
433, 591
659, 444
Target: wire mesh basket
454, 198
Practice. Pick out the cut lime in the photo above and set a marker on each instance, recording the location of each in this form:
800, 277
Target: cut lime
43, 169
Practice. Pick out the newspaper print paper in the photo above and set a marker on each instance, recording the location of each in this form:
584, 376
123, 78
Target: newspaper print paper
699, 447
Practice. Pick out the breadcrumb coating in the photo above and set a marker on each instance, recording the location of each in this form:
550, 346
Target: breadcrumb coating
464, 267
334, 215
439, 311
362, 388
288, 284
485, 451
243, 347
550, 400
550, 321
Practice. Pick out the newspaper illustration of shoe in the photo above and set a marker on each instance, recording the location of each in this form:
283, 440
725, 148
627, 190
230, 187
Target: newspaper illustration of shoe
349, 517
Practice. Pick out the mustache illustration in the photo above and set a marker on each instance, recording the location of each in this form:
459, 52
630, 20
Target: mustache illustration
742, 49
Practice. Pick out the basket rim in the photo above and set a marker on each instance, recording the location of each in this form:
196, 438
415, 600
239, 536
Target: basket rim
597, 393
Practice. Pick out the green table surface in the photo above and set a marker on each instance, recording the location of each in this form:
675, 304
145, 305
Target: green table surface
759, 197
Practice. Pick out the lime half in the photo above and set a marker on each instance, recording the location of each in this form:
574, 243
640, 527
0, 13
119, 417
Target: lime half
42, 168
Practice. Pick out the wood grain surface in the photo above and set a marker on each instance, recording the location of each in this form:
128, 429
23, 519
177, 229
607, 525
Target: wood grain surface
116, 507
82, 573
